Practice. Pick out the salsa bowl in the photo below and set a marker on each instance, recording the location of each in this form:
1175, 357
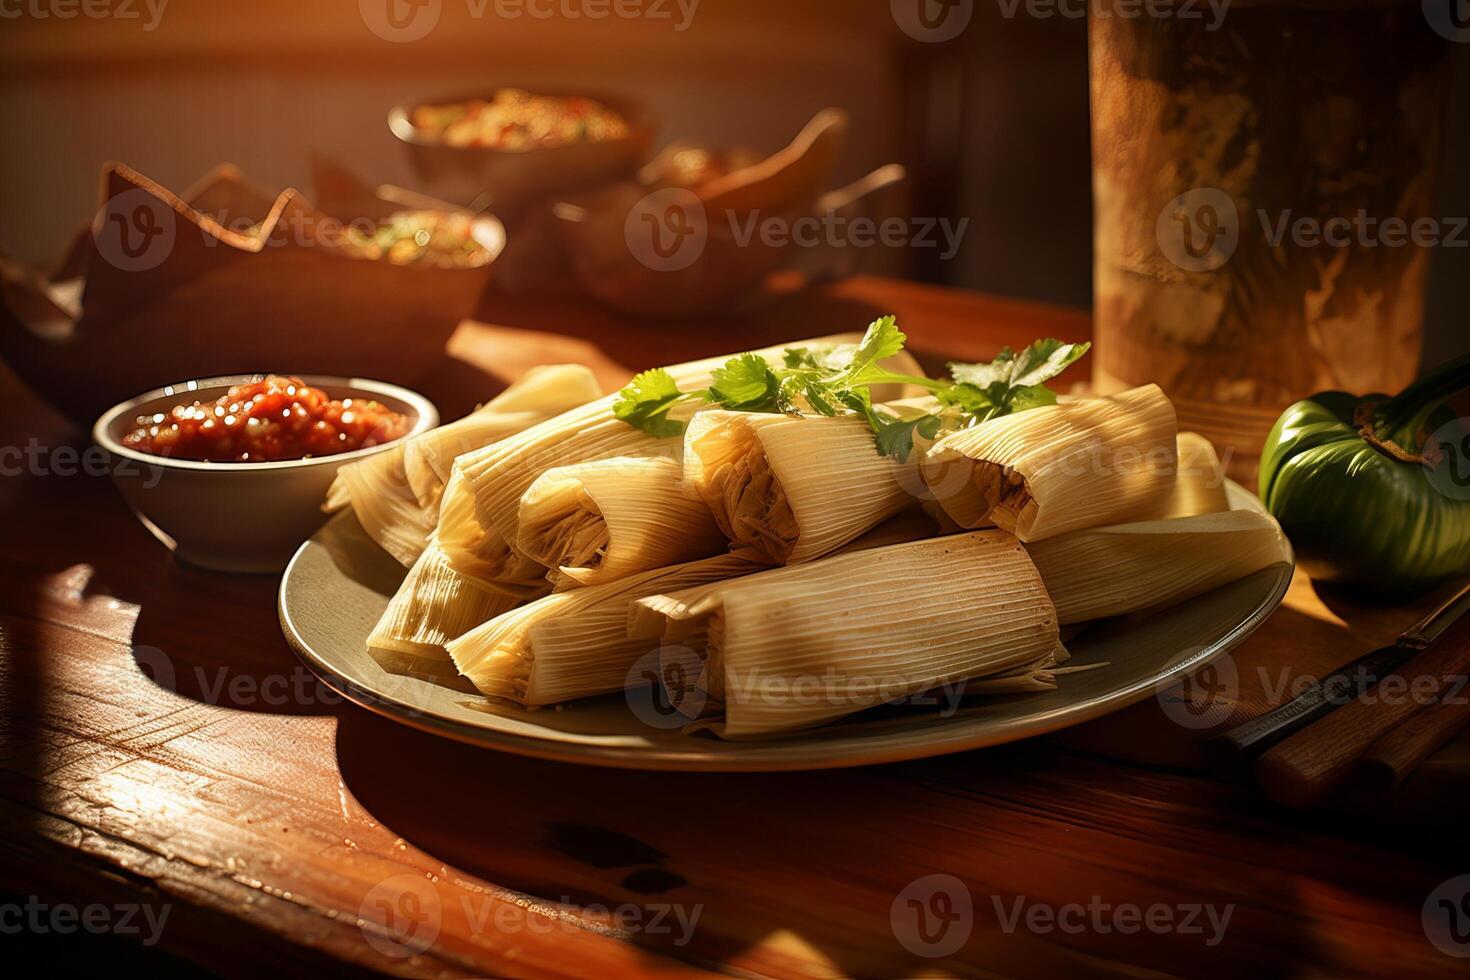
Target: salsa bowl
238, 516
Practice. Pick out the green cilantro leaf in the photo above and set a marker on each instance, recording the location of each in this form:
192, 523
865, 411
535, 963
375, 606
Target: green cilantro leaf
1031, 396
882, 340
1037, 364
828, 379
745, 384
645, 401
892, 434
896, 438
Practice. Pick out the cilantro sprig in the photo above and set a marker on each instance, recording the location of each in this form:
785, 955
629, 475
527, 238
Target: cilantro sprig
829, 380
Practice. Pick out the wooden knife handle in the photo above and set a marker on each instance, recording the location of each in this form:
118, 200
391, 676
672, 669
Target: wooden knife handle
1303, 768
1402, 749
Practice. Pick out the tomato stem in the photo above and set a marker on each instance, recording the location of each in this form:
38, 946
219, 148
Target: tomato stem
1403, 418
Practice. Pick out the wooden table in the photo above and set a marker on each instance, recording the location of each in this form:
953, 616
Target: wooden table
283, 829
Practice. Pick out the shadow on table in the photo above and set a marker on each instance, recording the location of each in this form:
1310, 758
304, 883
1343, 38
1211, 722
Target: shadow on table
206, 657
832, 867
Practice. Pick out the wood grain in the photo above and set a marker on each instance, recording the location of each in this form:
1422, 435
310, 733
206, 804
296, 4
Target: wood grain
162, 745
1303, 769
1402, 749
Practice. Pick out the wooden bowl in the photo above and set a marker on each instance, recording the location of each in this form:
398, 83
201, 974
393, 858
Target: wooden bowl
624, 240
222, 302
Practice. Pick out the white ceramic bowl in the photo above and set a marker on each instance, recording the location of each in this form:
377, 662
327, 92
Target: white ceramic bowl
236, 517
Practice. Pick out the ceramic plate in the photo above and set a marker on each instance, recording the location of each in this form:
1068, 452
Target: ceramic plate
339, 583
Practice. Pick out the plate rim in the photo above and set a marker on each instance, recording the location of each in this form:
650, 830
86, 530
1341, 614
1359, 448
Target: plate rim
767, 756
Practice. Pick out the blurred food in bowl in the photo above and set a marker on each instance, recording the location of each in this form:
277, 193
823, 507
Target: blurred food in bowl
438, 238
509, 150
513, 119
689, 166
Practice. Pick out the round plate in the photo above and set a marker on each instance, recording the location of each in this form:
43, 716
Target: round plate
339, 583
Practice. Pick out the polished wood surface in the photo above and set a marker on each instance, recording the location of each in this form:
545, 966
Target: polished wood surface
162, 745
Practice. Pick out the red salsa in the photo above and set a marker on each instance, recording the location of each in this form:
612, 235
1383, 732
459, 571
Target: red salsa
273, 418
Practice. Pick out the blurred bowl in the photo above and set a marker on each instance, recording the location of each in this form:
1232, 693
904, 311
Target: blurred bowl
237, 517
515, 179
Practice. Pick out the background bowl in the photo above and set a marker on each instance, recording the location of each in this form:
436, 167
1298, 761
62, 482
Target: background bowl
511, 180
219, 302
237, 517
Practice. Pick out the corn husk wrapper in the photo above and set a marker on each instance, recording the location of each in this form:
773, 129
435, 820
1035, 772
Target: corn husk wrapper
1110, 571
1065, 467
482, 555
788, 490
499, 475
599, 521
377, 490
434, 605
794, 647
574, 644
1199, 487
396, 493
541, 393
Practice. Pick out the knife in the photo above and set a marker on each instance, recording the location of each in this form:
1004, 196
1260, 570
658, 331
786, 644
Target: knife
1232, 752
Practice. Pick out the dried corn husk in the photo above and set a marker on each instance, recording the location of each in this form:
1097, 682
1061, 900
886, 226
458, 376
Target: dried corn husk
434, 605
1199, 487
396, 493
574, 644
481, 555
787, 490
499, 475
1062, 468
377, 490
599, 521
1109, 571
793, 647
541, 393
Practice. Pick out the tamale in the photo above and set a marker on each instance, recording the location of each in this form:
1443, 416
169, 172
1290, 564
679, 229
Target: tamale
794, 647
1199, 487
481, 555
1065, 467
574, 644
499, 475
598, 521
1109, 571
541, 393
377, 490
434, 605
395, 493
786, 490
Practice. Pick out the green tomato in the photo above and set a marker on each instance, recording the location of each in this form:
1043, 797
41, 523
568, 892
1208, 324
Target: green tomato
1356, 514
